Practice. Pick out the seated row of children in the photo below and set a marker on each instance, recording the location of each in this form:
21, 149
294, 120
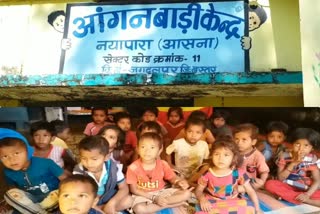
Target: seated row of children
235, 169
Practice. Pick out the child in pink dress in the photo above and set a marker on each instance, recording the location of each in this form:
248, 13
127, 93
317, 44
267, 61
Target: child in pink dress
99, 117
217, 190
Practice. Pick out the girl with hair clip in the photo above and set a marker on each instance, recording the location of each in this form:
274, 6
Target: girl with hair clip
217, 190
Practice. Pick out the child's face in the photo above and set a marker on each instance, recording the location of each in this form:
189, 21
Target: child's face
92, 160
149, 150
112, 137
174, 118
58, 23
302, 147
149, 116
76, 198
219, 122
14, 157
194, 133
65, 134
275, 138
42, 138
99, 117
244, 141
124, 124
222, 158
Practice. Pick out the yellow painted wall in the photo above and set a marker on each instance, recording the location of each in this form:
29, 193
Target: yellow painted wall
286, 29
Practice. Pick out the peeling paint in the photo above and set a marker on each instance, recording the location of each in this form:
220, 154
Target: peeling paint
151, 79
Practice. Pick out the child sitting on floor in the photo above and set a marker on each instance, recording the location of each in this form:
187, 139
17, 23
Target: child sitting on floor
123, 121
116, 139
33, 181
62, 133
113, 190
42, 133
99, 117
207, 135
218, 124
147, 175
190, 152
217, 188
274, 144
298, 170
254, 163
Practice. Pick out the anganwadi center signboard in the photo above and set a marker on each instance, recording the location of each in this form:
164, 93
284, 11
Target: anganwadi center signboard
201, 37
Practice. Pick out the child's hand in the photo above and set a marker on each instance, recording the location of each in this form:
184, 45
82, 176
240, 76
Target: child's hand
183, 184
205, 205
303, 197
161, 200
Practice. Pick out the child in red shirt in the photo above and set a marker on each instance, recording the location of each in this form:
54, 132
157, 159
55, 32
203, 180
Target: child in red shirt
123, 121
147, 175
174, 123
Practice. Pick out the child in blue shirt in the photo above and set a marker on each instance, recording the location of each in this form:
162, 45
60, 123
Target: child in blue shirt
274, 144
33, 181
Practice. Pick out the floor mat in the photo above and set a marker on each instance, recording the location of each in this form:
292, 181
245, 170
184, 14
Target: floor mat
270, 205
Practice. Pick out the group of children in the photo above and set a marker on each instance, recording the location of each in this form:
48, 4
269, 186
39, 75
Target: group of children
159, 166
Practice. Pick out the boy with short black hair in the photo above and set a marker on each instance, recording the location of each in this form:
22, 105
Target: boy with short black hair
42, 133
218, 123
147, 175
151, 114
78, 194
113, 189
190, 151
254, 163
274, 145
33, 181
62, 133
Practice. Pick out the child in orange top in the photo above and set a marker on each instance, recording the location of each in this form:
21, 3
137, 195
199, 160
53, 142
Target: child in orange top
254, 163
220, 182
298, 170
147, 175
99, 116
